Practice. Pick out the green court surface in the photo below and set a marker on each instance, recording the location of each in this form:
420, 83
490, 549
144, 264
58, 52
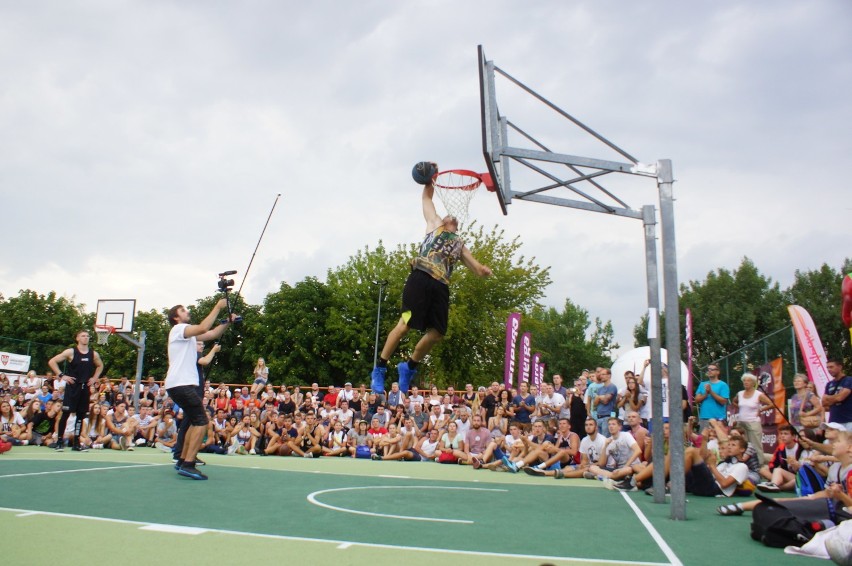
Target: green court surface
342, 511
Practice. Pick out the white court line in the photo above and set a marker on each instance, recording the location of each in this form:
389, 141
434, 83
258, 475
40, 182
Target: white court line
673, 559
80, 470
174, 529
351, 543
313, 499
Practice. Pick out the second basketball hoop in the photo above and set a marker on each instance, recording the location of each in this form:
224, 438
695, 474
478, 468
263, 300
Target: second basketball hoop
457, 187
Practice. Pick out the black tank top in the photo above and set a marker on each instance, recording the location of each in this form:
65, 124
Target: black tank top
82, 367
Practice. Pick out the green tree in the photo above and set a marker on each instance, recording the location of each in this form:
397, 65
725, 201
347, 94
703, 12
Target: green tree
729, 310
291, 333
567, 341
818, 292
119, 356
49, 321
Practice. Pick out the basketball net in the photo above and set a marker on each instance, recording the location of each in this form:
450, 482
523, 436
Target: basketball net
455, 189
103, 331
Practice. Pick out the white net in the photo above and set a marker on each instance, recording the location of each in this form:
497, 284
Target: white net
456, 189
103, 333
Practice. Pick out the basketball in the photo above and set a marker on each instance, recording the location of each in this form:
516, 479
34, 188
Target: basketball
5, 446
423, 172
284, 450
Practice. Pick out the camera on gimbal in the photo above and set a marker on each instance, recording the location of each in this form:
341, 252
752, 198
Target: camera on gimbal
225, 286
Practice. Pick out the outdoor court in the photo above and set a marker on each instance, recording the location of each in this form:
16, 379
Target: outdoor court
110, 507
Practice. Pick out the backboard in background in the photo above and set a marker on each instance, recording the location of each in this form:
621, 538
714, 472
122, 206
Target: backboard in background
118, 313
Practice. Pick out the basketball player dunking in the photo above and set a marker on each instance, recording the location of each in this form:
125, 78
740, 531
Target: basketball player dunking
84, 369
426, 295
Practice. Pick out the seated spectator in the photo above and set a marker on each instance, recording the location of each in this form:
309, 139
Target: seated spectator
836, 487
280, 433
382, 415
438, 418
435, 397
145, 425
335, 443
785, 463
451, 445
376, 431
121, 427
635, 428
621, 458
243, 437
388, 444
477, 443
421, 419
395, 396
563, 451
260, 376
426, 449
45, 394
257, 432
268, 393
167, 432
462, 420
498, 425
415, 397
361, 412
308, 442
12, 425
286, 403
94, 433
360, 437
43, 426
529, 451
399, 415
708, 478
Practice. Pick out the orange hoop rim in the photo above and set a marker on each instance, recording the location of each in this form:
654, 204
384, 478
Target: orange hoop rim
477, 179
105, 328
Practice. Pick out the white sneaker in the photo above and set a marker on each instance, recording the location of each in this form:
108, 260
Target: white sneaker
309, 454
98, 446
232, 449
140, 441
252, 452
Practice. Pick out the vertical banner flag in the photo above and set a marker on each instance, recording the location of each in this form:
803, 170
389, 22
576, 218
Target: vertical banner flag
513, 324
526, 348
846, 302
540, 375
771, 383
536, 378
689, 382
810, 346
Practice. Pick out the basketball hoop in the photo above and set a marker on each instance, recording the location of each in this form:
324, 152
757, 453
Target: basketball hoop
456, 188
103, 331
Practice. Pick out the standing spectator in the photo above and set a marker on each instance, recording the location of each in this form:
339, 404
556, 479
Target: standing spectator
524, 405
491, 400
469, 395
804, 404
749, 404
591, 392
454, 399
331, 396
260, 376
837, 397
712, 397
605, 400
558, 386
395, 396
347, 394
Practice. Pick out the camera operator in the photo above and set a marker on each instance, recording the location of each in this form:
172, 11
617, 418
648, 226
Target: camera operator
182, 378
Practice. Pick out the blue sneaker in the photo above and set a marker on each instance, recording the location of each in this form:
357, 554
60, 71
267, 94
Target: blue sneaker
509, 464
191, 472
406, 375
378, 383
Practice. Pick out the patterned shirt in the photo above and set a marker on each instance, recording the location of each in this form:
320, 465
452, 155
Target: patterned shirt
439, 252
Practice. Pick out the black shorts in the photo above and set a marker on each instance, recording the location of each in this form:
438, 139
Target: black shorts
76, 400
700, 481
426, 301
186, 397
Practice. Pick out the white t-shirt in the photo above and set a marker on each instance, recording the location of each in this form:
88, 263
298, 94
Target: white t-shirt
592, 448
738, 471
6, 424
183, 358
620, 449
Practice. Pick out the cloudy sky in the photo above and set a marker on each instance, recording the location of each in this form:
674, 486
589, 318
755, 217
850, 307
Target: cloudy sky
142, 143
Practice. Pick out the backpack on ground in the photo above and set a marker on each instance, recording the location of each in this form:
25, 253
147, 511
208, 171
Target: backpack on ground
778, 525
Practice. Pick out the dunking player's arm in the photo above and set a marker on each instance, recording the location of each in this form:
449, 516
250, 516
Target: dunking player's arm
451, 223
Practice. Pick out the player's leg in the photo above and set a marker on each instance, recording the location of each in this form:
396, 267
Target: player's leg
82, 412
70, 398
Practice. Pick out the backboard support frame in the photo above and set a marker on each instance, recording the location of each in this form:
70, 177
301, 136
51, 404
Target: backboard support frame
499, 156
121, 313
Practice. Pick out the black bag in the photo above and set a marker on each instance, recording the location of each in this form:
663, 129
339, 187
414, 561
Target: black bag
791, 524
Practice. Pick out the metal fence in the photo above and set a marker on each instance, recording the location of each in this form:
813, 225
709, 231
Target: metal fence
779, 344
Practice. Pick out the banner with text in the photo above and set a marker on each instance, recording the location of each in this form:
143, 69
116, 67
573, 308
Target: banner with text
513, 324
770, 379
810, 346
526, 349
14, 362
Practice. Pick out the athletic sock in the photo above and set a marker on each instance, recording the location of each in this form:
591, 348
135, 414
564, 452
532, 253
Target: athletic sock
412, 365
381, 362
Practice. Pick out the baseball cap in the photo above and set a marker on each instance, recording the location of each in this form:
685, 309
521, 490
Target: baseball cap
835, 426
349, 383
